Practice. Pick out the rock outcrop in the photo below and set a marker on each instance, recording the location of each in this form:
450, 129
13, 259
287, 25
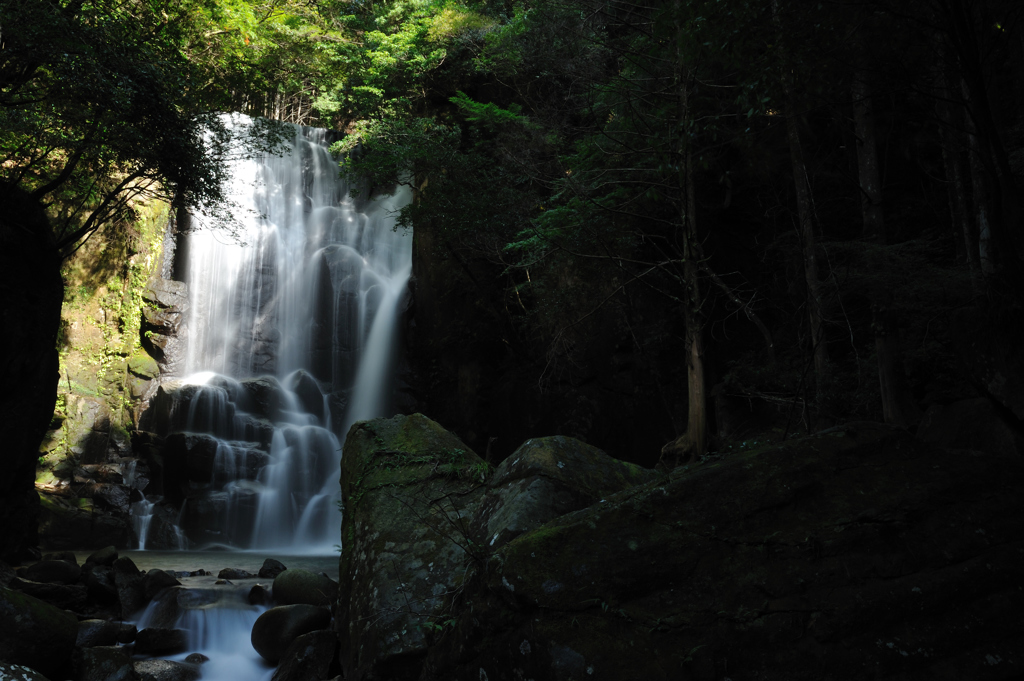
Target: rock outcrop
857, 553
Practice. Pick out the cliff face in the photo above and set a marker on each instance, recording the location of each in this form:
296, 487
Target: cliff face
31, 292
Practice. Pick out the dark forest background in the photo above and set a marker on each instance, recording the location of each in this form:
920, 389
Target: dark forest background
706, 223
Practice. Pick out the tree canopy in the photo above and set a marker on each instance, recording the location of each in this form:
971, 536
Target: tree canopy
769, 188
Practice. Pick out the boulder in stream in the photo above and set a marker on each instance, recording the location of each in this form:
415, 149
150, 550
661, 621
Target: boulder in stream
160, 641
276, 629
304, 586
108, 663
271, 568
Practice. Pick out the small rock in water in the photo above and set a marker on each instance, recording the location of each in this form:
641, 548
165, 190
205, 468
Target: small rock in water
166, 670
19, 672
103, 662
127, 633
222, 582
197, 658
235, 573
154, 641
105, 556
92, 633
271, 568
156, 581
66, 556
258, 595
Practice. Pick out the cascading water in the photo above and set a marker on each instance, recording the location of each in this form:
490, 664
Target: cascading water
291, 331
290, 338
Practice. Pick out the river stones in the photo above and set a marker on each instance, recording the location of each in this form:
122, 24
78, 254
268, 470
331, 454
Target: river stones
64, 596
308, 657
105, 662
130, 590
271, 568
167, 670
99, 581
20, 672
303, 586
52, 571
105, 556
258, 595
276, 629
160, 641
234, 573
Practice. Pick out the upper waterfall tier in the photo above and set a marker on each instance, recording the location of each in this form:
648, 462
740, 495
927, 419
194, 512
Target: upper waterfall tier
290, 337
300, 282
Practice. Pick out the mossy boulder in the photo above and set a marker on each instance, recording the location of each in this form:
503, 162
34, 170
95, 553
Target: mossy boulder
856, 553
548, 477
406, 483
35, 634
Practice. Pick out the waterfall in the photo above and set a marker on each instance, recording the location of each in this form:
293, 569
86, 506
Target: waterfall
294, 307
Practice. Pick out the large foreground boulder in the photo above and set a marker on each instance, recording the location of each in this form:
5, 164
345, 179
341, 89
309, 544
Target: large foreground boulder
421, 510
859, 553
35, 634
405, 483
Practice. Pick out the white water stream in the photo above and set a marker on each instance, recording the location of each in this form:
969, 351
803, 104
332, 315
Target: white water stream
291, 333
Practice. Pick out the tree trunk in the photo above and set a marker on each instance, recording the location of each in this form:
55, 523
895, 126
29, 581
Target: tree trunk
819, 347
897, 406
982, 201
694, 442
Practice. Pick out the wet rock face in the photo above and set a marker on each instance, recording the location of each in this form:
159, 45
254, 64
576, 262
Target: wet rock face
162, 321
858, 553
